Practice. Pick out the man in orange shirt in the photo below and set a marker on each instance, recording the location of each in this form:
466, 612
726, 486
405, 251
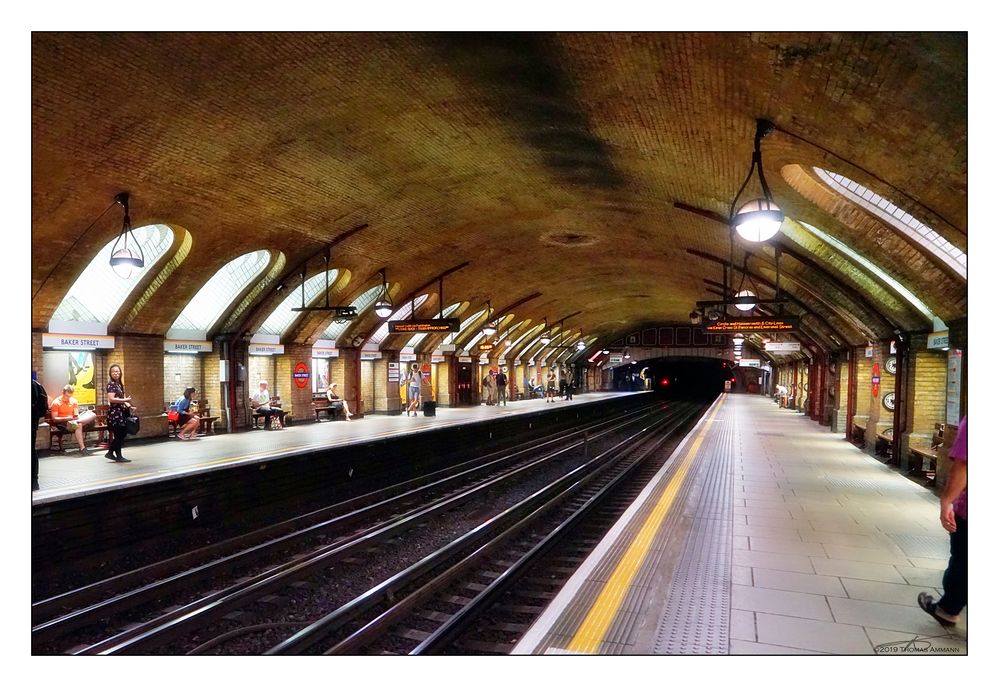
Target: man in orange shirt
66, 411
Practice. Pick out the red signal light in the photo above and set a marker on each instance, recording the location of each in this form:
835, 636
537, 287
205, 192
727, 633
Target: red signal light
664, 381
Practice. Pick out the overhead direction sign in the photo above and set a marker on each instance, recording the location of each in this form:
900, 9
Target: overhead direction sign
782, 346
754, 324
450, 324
486, 346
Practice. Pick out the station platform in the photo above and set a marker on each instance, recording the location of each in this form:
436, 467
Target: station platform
763, 534
69, 474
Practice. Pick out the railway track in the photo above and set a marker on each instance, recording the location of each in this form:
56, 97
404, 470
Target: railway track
343, 531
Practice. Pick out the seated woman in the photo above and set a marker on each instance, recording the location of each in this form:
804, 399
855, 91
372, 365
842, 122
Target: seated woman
261, 402
331, 395
66, 412
188, 421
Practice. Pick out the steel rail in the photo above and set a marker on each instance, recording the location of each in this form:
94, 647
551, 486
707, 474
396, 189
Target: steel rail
316, 632
212, 606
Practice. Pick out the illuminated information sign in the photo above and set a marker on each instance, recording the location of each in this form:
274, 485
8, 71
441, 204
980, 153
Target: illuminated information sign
450, 324
755, 324
486, 346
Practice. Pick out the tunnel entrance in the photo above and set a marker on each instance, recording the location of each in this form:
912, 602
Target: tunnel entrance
693, 378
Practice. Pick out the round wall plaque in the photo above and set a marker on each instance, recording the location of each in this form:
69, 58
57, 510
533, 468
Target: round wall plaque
890, 365
889, 401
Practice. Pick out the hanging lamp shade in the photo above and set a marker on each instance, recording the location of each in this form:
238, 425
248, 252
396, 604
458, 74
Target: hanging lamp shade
125, 258
743, 306
758, 220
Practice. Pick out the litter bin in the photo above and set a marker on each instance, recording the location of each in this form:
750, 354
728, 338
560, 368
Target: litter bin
430, 408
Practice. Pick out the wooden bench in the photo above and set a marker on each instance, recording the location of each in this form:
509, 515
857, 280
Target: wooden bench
884, 441
259, 420
858, 429
58, 430
333, 409
206, 421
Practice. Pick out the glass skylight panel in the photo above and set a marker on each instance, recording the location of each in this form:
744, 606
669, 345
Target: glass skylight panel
400, 314
215, 297
953, 256
526, 334
877, 271
98, 292
361, 303
283, 315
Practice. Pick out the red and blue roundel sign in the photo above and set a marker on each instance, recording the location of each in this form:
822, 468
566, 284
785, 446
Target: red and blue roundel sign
301, 375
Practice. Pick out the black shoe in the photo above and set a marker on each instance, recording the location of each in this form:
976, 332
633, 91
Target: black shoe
121, 459
927, 603
84, 451
110, 455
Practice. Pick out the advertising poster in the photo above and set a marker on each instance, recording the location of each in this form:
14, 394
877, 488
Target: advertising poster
71, 367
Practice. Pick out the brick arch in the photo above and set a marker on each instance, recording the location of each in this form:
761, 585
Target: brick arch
904, 260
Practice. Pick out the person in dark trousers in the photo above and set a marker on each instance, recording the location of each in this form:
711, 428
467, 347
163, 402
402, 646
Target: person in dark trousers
39, 406
567, 376
954, 518
501, 388
119, 409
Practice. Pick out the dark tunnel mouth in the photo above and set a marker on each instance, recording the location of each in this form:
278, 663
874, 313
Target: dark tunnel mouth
685, 378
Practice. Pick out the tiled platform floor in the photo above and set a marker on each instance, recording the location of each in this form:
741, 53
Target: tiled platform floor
829, 547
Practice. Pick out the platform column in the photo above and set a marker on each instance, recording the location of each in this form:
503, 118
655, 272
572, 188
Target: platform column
443, 389
386, 391
294, 400
958, 339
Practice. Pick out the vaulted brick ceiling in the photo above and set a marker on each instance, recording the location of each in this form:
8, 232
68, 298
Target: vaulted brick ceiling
549, 162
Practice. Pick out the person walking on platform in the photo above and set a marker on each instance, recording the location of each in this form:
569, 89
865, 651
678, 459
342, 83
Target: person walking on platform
954, 519
188, 421
567, 377
415, 382
332, 395
501, 388
66, 412
39, 406
119, 409
550, 393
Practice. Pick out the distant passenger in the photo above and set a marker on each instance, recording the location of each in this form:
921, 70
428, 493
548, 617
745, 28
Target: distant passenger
488, 388
39, 406
261, 402
331, 395
552, 381
567, 377
501, 388
66, 412
119, 410
188, 421
414, 382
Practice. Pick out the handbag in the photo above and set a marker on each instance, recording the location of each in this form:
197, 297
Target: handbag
131, 425
173, 416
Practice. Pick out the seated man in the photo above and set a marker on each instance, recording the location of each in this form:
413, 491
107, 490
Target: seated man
261, 402
66, 412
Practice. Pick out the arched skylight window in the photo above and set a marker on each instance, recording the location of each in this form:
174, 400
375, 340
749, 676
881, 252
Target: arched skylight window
526, 334
361, 303
417, 338
217, 295
400, 314
283, 315
953, 256
874, 269
465, 324
99, 293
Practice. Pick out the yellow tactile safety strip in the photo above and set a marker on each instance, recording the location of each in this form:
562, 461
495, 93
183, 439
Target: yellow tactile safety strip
593, 628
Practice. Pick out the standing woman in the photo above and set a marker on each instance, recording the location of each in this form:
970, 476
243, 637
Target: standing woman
120, 407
